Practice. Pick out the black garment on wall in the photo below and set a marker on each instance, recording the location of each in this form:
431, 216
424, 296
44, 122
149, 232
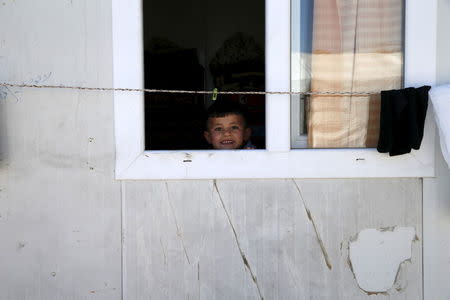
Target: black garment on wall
402, 120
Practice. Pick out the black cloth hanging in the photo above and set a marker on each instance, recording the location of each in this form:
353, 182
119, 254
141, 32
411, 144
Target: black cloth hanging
402, 120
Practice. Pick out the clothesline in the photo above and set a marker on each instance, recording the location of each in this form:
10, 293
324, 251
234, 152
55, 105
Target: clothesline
342, 93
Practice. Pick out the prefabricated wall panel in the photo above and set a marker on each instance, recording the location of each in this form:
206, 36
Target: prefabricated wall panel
60, 207
436, 208
234, 239
69, 230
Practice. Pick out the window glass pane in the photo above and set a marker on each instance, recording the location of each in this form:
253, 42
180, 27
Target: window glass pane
344, 46
201, 45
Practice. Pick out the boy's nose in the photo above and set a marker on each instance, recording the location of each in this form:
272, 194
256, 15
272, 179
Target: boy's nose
227, 131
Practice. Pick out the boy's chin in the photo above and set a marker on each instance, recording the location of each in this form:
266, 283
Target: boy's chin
226, 148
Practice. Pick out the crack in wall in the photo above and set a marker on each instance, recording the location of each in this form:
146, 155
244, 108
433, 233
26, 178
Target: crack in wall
244, 258
198, 280
180, 236
311, 219
164, 252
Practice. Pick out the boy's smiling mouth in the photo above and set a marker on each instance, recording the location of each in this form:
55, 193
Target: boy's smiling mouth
227, 142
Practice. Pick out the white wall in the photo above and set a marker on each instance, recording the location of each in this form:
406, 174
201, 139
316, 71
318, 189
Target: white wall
187, 239
60, 215
436, 211
60, 207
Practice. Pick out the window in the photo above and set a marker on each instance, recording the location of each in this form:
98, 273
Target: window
278, 160
200, 45
354, 46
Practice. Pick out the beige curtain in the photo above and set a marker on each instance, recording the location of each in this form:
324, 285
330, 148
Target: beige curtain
357, 47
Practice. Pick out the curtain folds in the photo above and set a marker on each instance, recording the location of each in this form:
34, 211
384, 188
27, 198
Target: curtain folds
357, 47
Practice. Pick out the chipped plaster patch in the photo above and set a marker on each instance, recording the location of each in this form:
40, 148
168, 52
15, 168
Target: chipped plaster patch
375, 256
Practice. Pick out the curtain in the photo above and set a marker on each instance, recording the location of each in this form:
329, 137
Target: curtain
357, 47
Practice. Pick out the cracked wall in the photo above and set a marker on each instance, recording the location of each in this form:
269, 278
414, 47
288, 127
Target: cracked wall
272, 239
376, 256
60, 217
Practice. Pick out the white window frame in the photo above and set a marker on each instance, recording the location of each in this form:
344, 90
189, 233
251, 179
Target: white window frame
278, 160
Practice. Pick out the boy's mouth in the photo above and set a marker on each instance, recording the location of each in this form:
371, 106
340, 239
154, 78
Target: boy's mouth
227, 142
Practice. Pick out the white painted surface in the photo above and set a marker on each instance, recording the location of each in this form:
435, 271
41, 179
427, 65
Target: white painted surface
420, 61
127, 42
342, 163
60, 220
440, 101
436, 191
377, 254
278, 75
180, 243
436, 220
443, 44
59, 203
132, 162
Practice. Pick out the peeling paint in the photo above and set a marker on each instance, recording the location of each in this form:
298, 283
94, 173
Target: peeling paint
376, 255
389, 228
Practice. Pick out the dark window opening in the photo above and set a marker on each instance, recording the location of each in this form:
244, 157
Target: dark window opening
201, 45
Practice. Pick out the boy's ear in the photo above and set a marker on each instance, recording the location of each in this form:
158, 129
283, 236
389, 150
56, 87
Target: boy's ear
207, 136
247, 134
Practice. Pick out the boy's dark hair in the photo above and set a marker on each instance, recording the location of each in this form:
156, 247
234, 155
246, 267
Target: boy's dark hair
223, 108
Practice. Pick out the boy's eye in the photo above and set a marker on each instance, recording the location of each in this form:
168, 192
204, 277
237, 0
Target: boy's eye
218, 129
235, 127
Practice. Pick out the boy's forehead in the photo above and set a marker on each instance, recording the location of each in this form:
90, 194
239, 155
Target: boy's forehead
235, 118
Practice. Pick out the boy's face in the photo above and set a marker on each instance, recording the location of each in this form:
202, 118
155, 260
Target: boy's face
228, 132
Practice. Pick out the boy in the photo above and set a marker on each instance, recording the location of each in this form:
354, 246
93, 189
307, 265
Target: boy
226, 126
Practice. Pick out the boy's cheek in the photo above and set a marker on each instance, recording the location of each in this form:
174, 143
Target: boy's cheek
207, 136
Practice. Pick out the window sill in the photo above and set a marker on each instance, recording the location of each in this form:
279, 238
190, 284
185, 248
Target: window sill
299, 163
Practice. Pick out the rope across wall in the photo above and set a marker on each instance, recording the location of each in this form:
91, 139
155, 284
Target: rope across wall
318, 93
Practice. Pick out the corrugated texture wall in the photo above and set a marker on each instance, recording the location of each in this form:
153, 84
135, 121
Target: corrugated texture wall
62, 212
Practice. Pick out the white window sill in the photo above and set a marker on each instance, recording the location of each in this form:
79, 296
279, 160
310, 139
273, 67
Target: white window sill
301, 163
